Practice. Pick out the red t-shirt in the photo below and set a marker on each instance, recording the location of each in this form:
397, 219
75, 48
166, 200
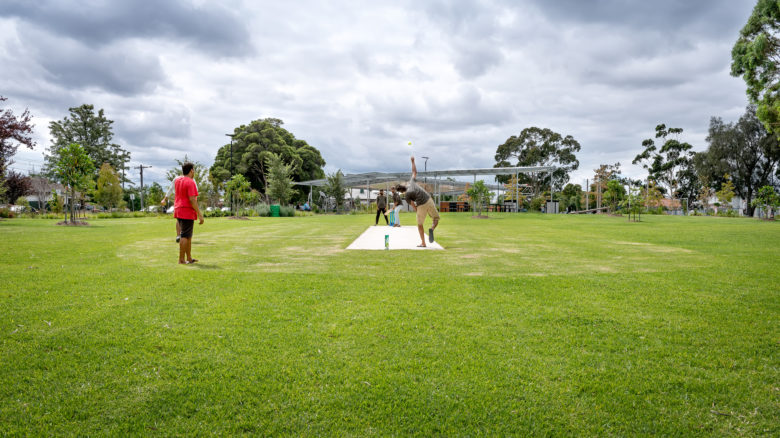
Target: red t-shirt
185, 187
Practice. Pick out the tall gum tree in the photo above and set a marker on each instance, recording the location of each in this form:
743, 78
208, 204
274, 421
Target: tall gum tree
671, 164
755, 58
745, 150
539, 147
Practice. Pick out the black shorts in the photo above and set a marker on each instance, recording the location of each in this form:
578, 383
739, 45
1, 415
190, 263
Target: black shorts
186, 226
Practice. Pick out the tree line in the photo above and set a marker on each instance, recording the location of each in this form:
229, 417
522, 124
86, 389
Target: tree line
261, 163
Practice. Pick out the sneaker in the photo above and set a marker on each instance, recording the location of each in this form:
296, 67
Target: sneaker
430, 235
178, 238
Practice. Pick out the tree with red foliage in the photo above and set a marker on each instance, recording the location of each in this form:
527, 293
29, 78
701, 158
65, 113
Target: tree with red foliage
17, 185
13, 132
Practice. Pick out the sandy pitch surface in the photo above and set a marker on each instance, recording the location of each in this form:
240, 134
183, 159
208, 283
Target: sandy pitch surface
400, 238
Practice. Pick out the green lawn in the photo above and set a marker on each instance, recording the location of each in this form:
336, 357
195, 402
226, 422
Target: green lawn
525, 325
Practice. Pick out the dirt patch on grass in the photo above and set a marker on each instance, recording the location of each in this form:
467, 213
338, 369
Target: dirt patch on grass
480, 217
654, 248
473, 274
239, 218
73, 224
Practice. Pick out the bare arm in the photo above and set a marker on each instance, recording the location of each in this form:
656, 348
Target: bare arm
168, 193
194, 203
414, 170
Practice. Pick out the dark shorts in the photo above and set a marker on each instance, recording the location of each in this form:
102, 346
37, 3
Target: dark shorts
186, 227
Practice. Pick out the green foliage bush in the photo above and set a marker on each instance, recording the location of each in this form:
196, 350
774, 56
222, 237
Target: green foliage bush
287, 211
216, 213
537, 203
6, 213
263, 210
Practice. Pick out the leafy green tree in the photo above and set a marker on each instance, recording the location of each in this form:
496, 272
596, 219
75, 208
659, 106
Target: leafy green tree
109, 188
744, 150
24, 203
755, 56
726, 192
237, 190
336, 188
253, 197
632, 203
95, 135
670, 165
479, 194
74, 170
539, 147
254, 143
155, 195
572, 197
766, 198
614, 194
280, 184
601, 176
57, 203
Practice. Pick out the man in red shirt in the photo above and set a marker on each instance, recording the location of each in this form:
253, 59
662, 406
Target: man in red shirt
185, 210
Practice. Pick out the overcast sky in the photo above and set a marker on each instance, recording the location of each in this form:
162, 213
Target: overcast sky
358, 80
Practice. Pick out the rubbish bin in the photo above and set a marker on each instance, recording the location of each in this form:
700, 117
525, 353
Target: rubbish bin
275, 211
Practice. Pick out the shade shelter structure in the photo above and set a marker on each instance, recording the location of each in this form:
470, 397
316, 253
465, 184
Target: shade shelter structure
438, 182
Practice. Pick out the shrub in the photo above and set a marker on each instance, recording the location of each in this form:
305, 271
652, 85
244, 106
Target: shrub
287, 211
6, 213
263, 210
537, 203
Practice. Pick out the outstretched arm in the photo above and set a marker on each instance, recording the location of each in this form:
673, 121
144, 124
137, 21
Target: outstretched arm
414, 169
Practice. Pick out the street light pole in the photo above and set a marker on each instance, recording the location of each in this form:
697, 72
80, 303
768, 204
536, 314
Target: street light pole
425, 178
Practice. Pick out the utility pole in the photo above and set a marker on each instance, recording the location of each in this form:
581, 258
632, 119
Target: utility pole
142, 167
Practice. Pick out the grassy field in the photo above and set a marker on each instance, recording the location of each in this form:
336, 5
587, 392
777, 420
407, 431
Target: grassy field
525, 325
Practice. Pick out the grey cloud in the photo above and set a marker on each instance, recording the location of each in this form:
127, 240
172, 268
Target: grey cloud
118, 68
466, 108
158, 126
474, 58
209, 27
470, 29
693, 17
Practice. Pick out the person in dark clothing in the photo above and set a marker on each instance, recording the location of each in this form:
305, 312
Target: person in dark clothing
381, 207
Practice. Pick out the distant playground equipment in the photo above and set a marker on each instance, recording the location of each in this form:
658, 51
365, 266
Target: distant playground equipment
438, 182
